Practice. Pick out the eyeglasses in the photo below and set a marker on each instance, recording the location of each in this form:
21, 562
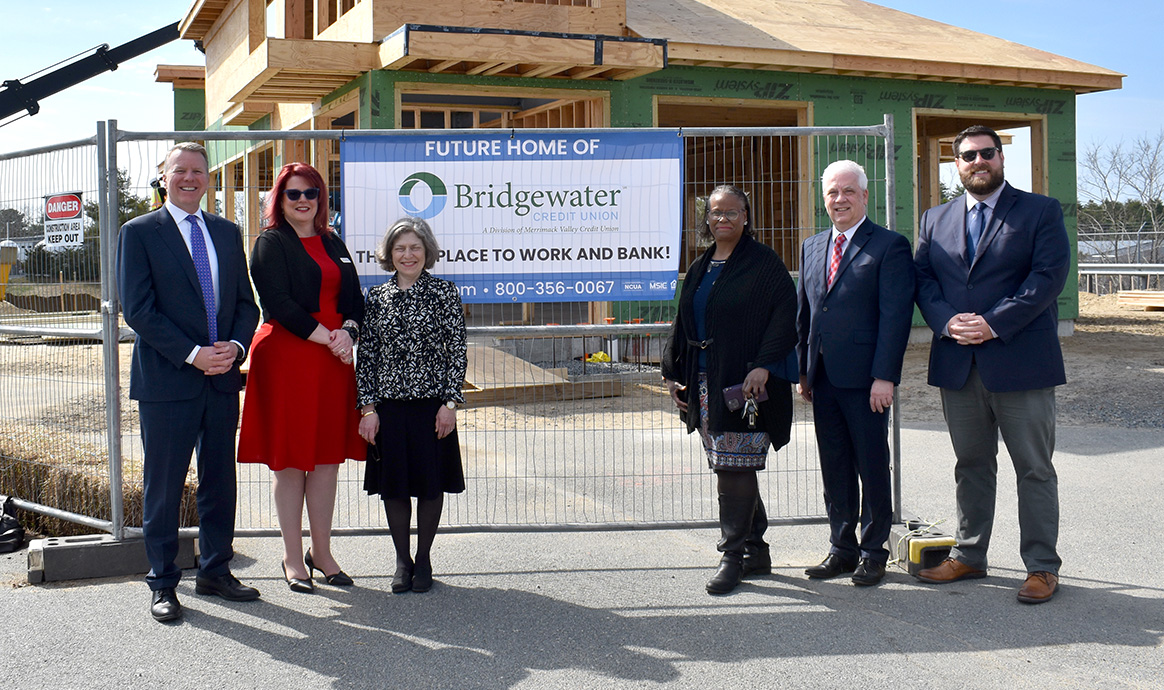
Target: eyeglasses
311, 193
720, 215
986, 153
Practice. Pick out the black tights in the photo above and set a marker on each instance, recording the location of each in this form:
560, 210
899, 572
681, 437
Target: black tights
428, 516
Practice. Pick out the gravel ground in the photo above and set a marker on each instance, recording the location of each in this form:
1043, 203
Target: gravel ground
1115, 370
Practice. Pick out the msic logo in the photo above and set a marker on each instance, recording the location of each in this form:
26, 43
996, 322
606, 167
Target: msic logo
437, 195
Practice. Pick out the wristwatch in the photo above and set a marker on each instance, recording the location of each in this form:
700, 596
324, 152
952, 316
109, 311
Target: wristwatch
450, 404
352, 328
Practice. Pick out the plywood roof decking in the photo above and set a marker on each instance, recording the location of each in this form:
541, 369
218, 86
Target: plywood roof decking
850, 37
181, 76
517, 54
200, 17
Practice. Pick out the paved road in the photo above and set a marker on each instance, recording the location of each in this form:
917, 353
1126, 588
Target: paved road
613, 610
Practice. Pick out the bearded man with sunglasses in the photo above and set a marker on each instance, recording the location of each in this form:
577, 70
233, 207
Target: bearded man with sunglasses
990, 267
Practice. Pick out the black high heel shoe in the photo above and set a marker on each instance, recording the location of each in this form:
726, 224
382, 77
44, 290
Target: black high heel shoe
297, 584
337, 579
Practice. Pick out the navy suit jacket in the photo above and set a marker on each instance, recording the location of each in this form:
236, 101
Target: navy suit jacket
1014, 283
162, 301
861, 325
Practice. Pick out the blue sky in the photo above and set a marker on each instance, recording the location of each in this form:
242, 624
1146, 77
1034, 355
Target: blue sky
1123, 36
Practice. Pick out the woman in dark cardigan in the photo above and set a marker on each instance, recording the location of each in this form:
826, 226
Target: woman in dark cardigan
736, 324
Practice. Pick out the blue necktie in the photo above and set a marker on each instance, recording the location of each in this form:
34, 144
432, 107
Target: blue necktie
202, 268
975, 228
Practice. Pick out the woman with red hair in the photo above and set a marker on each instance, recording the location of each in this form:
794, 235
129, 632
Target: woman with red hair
299, 414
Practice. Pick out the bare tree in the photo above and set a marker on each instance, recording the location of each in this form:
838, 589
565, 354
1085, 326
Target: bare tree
1121, 214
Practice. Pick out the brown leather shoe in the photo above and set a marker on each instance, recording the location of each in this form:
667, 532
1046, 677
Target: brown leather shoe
1039, 587
949, 570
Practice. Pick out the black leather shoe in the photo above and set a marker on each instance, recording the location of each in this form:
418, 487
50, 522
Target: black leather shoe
164, 605
337, 579
830, 567
727, 577
758, 563
297, 584
402, 580
226, 586
422, 577
868, 573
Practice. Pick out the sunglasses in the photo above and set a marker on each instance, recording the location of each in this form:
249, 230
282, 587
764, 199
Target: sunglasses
986, 153
312, 193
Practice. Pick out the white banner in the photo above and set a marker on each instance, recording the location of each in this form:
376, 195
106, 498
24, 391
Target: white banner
525, 217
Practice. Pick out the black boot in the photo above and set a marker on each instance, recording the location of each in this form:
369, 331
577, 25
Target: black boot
735, 520
728, 575
757, 556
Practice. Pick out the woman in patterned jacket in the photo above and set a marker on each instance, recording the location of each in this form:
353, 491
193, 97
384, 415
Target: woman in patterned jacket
409, 372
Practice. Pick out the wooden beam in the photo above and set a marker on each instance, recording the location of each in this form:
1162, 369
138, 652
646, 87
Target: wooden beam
499, 67
544, 70
256, 23
443, 65
481, 68
588, 72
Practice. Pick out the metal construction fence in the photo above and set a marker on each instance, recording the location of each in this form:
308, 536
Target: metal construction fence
550, 440
1113, 260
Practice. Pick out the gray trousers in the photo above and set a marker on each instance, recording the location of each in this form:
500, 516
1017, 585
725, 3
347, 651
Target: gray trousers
975, 416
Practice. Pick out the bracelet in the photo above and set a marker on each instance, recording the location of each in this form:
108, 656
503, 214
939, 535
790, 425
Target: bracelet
365, 414
352, 332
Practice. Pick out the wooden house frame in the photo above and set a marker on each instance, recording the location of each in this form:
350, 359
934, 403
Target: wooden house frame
383, 64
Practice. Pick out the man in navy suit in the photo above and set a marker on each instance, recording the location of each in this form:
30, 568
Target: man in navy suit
853, 322
991, 265
184, 290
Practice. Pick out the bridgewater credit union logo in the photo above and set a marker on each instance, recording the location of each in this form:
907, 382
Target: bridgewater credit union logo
438, 193
587, 203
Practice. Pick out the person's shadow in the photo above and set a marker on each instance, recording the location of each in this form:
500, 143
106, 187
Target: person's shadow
491, 637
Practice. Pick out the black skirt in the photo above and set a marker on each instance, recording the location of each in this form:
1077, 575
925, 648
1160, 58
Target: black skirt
409, 459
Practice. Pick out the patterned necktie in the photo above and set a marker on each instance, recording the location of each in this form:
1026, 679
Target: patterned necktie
974, 228
835, 262
202, 268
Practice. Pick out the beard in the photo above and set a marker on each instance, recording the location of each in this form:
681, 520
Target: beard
978, 185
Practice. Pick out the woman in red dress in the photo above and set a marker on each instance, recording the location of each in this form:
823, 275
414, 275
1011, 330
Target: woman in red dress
299, 414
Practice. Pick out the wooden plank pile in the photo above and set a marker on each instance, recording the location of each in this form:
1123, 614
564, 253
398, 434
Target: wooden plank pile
1150, 300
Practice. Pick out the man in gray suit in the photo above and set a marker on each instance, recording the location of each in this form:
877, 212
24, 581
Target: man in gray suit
990, 267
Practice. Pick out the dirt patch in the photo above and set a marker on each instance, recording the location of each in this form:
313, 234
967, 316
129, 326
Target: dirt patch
1115, 370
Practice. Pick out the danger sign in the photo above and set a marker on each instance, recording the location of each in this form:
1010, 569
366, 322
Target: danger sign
63, 226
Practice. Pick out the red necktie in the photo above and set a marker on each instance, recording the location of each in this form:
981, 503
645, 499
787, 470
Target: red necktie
835, 263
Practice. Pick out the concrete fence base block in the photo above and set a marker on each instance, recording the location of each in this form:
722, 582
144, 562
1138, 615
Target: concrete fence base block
96, 555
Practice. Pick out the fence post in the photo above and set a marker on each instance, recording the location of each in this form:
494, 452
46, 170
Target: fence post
891, 222
109, 206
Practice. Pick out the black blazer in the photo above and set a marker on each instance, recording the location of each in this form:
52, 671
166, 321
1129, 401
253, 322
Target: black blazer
288, 280
162, 302
750, 322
